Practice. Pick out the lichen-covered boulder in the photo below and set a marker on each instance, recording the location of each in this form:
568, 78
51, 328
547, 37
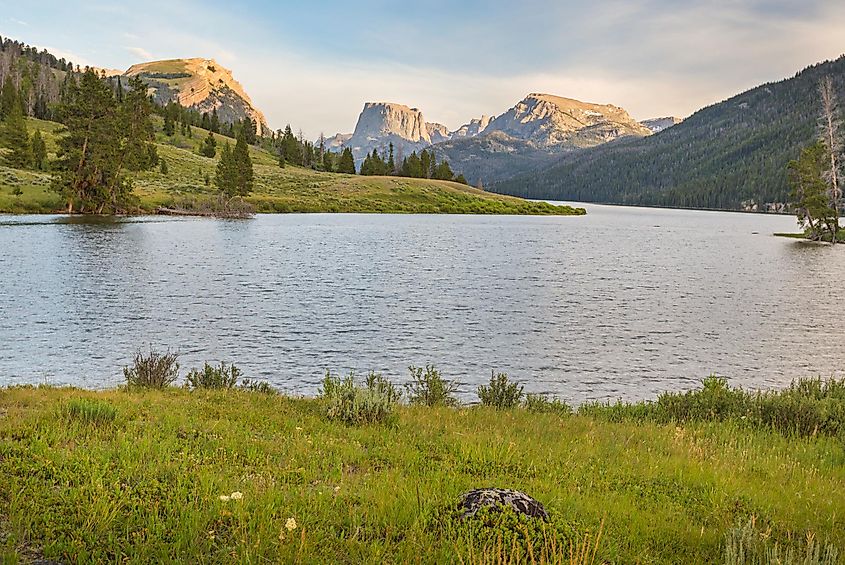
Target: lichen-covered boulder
496, 499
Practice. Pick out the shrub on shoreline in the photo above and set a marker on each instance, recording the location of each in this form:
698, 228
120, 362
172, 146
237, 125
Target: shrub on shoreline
353, 404
429, 388
154, 370
500, 393
213, 377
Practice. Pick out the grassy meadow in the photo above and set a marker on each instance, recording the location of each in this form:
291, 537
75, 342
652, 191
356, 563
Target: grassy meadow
289, 189
214, 476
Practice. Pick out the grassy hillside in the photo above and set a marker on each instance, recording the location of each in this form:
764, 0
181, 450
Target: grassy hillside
725, 154
138, 477
292, 189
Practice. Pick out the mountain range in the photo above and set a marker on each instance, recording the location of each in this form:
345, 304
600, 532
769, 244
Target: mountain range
492, 148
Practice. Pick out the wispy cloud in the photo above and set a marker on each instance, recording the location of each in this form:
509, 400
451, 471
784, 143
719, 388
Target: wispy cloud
19, 22
141, 53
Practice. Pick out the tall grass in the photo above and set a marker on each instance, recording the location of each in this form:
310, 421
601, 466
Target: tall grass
89, 412
808, 407
345, 401
500, 392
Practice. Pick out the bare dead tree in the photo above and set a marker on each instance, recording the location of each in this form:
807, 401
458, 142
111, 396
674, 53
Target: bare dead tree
830, 134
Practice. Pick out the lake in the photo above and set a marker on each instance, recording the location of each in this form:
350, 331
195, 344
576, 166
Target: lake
622, 303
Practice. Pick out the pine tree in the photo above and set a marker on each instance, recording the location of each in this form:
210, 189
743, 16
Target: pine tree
810, 192
16, 138
425, 164
39, 151
209, 146
169, 121
347, 162
245, 175
137, 135
444, 171
225, 179
8, 97
87, 168
391, 162
214, 124
164, 170
282, 161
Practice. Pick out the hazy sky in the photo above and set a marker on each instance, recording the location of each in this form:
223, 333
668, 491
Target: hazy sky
315, 63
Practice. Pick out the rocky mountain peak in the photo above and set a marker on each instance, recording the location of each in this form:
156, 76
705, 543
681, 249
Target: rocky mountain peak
656, 125
202, 84
554, 120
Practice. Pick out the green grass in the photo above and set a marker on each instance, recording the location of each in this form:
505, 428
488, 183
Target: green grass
292, 189
144, 485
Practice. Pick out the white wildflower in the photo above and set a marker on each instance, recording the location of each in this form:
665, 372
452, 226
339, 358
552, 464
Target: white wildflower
237, 495
290, 525
225, 497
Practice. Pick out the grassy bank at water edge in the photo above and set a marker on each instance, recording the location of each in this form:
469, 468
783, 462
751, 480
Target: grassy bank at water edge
212, 476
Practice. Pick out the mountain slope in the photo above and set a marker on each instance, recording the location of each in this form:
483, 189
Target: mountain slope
722, 156
202, 84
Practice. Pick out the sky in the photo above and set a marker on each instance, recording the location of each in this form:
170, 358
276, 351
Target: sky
314, 64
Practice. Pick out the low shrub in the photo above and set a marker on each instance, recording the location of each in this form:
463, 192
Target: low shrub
154, 370
429, 388
501, 393
213, 377
260, 387
89, 412
376, 382
542, 404
353, 404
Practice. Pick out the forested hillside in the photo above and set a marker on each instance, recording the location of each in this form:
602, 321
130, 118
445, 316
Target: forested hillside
720, 157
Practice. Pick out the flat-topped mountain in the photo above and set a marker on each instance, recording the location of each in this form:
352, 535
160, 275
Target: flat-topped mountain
383, 123
202, 84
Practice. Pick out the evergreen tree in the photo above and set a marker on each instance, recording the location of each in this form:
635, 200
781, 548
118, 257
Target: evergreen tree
425, 164
461, 179
291, 147
282, 161
169, 121
443, 171
346, 164
412, 167
225, 179
391, 162
164, 170
810, 192
214, 124
250, 130
328, 162
205, 122
88, 164
209, 146
243, 166
8, 97
137, 135
39, 151
16, 138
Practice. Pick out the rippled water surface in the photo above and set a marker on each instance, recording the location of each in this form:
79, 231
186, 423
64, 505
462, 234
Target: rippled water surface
621, 303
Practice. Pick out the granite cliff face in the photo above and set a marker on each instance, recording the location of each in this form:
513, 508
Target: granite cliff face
383, 123
201, 84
